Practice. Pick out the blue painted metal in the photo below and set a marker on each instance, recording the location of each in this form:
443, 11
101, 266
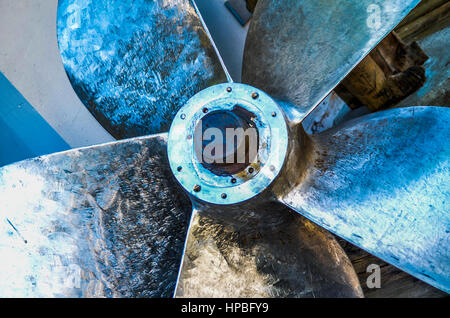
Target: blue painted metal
23, 132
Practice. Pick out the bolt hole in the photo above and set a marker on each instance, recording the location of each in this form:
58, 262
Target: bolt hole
224, 195
274, 114
229, 89
197, 188
179, 168
250, 170
183, 116
205, 110
255, 95
233, 180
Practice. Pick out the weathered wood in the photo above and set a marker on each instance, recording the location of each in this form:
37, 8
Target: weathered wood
429, 17
394, 56
365, 82
424, 7
390, 73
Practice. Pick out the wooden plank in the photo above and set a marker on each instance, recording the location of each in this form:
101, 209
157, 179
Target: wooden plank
429, 23
424, 7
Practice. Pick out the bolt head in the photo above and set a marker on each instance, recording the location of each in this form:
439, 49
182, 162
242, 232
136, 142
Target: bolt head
197, 188
209, 185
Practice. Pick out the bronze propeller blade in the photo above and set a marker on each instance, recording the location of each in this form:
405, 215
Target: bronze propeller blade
381, 182
101, 221
262, 249
298, 51
135, 63
111, 220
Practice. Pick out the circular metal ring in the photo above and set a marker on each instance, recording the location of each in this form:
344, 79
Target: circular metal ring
211, 187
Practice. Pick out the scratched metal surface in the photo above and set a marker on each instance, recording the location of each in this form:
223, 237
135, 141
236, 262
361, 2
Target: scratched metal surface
382, 182
135, 63
262, 249
436, 90
102, 221
298, 51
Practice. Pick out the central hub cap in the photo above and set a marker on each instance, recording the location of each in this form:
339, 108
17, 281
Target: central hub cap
228, 143
227, 140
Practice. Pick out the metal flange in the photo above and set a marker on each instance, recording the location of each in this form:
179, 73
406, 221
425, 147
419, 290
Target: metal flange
239, 103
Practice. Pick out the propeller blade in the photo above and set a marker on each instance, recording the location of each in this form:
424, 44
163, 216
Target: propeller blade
135, 63
381, 182
298, 51
101, 221
265, 252
436, 90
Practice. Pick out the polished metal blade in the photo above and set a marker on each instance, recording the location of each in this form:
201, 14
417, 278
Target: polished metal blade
135, 63
262, 250
298, 51
382, 182
101, 221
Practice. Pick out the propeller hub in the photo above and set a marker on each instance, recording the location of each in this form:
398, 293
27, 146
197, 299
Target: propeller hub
228, 143
234, 136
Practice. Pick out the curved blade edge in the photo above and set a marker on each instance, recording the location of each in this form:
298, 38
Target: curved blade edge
101, 221
382, 183
299, 51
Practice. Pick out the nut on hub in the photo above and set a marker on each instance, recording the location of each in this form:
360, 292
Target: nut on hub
225, 146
